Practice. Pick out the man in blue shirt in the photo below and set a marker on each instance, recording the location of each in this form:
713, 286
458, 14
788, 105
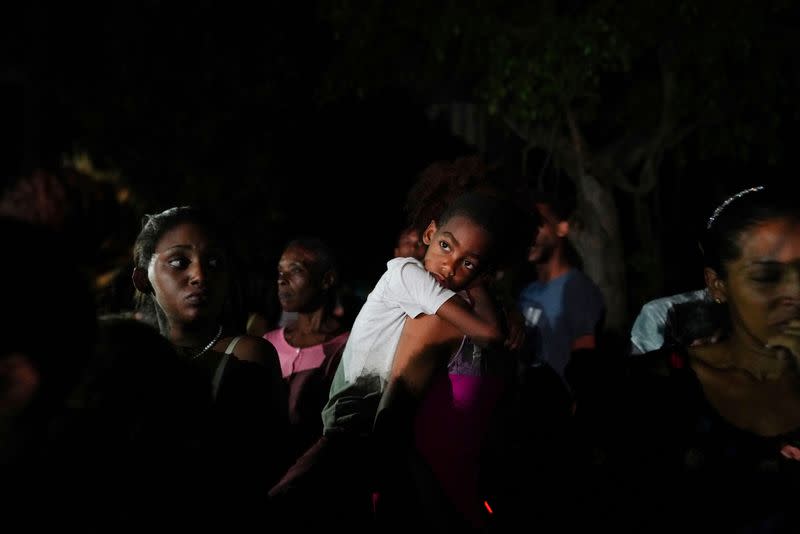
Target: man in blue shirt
563, 308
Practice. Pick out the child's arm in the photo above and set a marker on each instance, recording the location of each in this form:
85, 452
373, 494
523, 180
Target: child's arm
417, 292
479, 321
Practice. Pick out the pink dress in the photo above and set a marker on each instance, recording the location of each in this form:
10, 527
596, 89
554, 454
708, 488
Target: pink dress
308, 373
449, 430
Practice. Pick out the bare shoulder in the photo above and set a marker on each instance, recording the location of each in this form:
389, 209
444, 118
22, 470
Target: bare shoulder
256, 349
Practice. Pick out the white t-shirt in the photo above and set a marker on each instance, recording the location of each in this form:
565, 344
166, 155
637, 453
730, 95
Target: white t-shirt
648, 329
406, 289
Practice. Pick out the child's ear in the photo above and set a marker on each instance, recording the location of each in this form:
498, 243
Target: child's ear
427, 235
140, 281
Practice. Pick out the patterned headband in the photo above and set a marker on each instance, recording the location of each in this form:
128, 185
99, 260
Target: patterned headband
728, 201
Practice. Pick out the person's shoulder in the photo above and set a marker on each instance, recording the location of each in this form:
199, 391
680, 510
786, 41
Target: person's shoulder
664, 303
247, 377
256, 350
578, 284
655, 308
576, 276
274, 335
531, 287
397, 264
405, 273
339, 339
657, 365
402, 261
397, 269
651, 321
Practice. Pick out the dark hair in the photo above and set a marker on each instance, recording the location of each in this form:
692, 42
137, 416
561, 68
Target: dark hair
154, 228
737, 214
500, 218
694, 320
467, 186
439, 184
407, 230
562, 203
326, 260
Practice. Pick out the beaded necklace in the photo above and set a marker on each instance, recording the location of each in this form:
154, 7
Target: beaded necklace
210, 344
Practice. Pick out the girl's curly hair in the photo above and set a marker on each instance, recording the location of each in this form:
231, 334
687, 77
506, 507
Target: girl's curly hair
442, 182
447, 187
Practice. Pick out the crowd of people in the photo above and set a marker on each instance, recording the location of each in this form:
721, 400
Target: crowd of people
451, 398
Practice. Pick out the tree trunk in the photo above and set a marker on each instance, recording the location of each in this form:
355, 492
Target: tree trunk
650, 265
596, 236
596, 233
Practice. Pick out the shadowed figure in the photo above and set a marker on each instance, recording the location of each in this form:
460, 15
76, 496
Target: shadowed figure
49, 332
310, 347
184, 271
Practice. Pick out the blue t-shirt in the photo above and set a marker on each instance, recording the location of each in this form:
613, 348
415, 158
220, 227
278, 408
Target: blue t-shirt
557, 313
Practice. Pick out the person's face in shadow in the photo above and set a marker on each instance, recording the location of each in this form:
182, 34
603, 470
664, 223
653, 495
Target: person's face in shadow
188, 274
301, 285
409, 245
548, 237
762, 286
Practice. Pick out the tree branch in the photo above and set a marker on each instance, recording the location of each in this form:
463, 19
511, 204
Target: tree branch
539, 137
578, 142
650, 153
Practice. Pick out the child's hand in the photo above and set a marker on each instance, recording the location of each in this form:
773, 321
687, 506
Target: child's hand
787, 343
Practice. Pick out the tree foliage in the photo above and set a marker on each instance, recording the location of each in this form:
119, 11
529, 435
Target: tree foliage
628, 70
614, 91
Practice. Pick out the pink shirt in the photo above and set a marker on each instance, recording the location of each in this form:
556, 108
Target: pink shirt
294, 359
308, 373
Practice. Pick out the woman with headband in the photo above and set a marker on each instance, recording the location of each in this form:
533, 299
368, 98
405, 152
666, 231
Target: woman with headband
708, 436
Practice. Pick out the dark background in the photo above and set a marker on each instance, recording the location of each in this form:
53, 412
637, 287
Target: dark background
315, 117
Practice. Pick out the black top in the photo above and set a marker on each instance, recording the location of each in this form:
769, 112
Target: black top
672, 461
